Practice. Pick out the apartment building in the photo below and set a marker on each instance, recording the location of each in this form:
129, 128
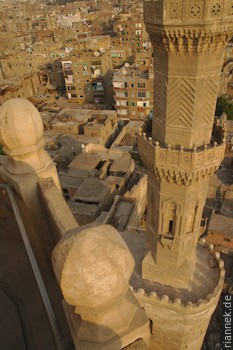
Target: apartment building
133, 93
88, 77
131, 32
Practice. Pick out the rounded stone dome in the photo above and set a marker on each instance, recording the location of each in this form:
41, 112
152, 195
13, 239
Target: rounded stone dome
93, 267
21, 126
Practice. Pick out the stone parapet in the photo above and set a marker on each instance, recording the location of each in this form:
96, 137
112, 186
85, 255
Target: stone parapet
181, 322
177, 304
183, 166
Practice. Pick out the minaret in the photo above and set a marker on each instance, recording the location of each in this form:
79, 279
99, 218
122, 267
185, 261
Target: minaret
188, 38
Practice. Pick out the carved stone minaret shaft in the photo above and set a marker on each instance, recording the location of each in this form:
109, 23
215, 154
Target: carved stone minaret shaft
188, 39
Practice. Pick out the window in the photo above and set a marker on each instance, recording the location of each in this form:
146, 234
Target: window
132, 103
227, 240
132, 85
141, 94
70, 88
73, 95
141, 85
171, 227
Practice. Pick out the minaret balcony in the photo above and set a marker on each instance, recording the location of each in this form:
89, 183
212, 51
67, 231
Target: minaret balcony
181, 166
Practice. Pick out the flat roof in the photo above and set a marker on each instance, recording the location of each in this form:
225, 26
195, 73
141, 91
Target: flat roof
87, 161
222, 225
70, 181
121, 164
92, 190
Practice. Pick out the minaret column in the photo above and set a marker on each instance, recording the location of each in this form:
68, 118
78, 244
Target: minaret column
188, 38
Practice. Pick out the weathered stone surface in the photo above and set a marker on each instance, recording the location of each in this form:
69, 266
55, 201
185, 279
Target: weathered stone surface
21, 126
103, 269
93, 266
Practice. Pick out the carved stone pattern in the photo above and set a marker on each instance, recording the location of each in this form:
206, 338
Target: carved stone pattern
205, 103
174, 158
152, 10
181, 94
162, 156
168, 174
189, 42
230, 10
160, 95
175, 10
158, 9
216, 9
183, 177
187, 168
148, 10
199, 160
196, 9
187, 159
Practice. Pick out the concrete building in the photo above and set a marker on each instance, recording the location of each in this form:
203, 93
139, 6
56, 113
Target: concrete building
88, 126
133, 93
130, 31
88, 77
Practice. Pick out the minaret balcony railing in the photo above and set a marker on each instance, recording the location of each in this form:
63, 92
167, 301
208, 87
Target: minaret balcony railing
181, 165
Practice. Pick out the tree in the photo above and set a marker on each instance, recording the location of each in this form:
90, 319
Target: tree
224, 105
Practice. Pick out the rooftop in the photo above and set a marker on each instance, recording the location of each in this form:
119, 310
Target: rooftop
130, 73
222, 225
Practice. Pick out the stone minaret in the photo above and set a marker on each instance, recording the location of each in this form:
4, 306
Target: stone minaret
188, 39
182, 277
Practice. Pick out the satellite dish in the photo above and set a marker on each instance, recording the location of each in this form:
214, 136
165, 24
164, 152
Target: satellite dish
96, 54
83, 146
126, 64
102, 50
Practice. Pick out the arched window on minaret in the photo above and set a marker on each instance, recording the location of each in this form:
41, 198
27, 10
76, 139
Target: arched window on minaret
169, 218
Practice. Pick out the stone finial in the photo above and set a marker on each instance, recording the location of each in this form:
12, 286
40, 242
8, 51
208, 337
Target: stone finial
21, 134
21, 128
93, 266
